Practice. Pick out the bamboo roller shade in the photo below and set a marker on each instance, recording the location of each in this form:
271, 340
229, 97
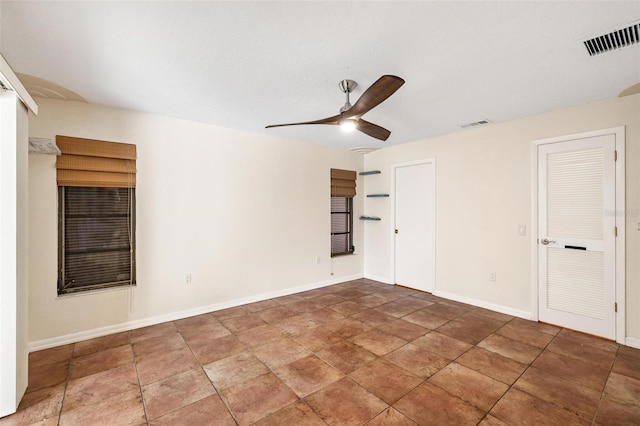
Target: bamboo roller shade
88, 162
343, 183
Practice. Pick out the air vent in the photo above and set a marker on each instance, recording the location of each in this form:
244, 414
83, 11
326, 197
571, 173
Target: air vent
363, 150
475, 123
614, 40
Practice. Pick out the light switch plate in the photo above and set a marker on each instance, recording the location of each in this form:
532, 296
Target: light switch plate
522, 230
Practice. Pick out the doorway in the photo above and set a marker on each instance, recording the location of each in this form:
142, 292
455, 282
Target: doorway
414, 224
578, 231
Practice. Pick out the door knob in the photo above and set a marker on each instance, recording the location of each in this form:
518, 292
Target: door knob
546, 241
396, 231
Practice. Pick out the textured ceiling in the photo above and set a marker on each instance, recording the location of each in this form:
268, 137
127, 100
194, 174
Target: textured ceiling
248, 64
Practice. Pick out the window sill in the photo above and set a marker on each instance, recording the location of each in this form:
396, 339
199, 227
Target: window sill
343, 254
95, 291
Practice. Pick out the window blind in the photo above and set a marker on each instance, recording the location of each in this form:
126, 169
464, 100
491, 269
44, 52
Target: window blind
98, 236
341, 220
343, 183
93, 163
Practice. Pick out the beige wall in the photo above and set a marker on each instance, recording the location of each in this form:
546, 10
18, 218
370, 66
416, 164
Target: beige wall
483, 192
244, 214
210, 204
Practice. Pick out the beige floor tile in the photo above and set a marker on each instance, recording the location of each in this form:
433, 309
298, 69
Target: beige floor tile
354, 353
307, 375
431, 405
602, 358
123, 409
207, 411
151, 331
345, 403
101, 343
346, 356
565, 394
37, 406
165, 364
51, 356
297, 413
378, 342
234, 370
165, 343
475, 388
175, 392
257, 398
568, 368
519, 408
440, 344
386, 380
391, 417
623, 388
503, 369
510, 348
281, 352
97, 387
417, 360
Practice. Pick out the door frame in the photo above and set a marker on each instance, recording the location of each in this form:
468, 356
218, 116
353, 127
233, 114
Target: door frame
392, 224
620, 213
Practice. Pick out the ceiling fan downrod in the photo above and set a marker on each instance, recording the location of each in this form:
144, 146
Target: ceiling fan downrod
347, 86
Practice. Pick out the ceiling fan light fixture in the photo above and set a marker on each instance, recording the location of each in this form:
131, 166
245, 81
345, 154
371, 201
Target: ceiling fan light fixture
348, 125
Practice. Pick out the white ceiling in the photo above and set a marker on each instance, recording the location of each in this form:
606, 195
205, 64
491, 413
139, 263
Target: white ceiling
248, 64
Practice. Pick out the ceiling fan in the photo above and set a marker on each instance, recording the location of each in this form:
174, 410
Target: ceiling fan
350, 116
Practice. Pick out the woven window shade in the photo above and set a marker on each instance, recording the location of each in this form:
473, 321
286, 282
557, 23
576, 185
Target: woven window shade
88, 162
343, 183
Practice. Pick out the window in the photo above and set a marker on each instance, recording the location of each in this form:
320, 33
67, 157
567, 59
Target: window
96, 214
97, 236
343, 189
341, 224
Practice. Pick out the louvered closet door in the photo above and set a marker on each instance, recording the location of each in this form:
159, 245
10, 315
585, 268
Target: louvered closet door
576, 248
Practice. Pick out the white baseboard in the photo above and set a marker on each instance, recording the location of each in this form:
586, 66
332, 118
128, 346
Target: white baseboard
483, 304
132, 325
173, 316
379, 279
633, 342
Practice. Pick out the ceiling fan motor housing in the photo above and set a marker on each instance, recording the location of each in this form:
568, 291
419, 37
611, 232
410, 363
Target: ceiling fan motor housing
347, 86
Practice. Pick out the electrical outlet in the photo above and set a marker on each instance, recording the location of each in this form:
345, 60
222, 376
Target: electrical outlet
187, 279
317, 260
492, 276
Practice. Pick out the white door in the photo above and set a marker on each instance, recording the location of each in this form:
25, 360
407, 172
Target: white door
576, 234
414, 195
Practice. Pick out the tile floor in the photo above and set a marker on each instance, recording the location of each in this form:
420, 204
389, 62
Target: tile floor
355, 353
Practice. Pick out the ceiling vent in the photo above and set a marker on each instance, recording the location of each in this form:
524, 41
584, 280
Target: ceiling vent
614, 40
475, 123
363, 150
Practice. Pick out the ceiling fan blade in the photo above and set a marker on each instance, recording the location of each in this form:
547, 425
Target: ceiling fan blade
373, 130
377, 93
329, 120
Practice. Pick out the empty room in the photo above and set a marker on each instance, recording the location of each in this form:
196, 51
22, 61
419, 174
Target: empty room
319, 213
